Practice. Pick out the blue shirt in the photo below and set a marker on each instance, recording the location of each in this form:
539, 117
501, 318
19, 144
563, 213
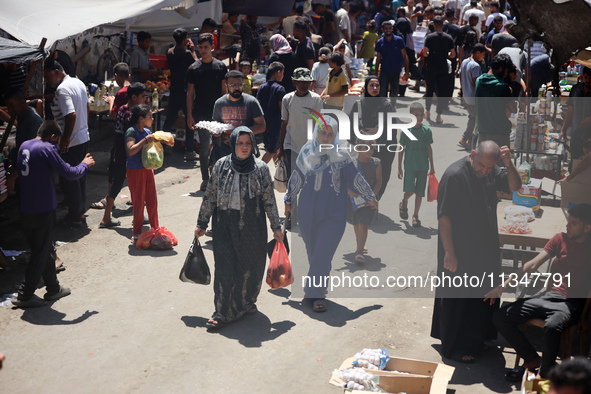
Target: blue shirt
35, 161
135, 162
391, 55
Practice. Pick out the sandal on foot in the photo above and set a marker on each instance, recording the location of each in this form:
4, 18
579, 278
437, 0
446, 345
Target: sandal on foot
463, 358
359, 258
515, 375
319, 305
99, 205
61, 268
134, 238
112, 223
253, 309
214, 324
416, 223
403, 212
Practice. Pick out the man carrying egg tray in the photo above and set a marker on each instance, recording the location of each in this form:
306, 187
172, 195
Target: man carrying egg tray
561, 305
238, 109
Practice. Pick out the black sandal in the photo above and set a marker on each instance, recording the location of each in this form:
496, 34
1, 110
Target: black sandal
99, 204
515, 375
319, 305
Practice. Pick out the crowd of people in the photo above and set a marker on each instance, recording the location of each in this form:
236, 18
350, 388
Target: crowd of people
309, 70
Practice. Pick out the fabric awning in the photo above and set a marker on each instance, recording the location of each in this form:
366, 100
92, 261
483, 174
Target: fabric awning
31, 20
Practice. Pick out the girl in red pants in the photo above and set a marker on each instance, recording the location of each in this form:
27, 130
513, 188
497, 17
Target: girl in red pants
139, 179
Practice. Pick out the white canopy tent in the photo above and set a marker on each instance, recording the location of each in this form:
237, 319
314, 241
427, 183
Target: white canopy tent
31, 20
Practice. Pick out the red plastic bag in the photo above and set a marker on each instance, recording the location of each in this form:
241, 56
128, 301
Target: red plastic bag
432, 188
144, 240
279, 273
159, 238
163, 239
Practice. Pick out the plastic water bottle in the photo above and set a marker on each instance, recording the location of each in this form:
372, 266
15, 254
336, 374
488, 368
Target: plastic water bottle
155, 104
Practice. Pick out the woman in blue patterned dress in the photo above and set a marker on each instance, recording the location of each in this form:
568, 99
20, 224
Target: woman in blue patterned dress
323, 175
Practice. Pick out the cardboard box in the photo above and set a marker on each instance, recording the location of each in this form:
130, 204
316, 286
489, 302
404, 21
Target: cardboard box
530, 384
529, 195
421, 377
578, 190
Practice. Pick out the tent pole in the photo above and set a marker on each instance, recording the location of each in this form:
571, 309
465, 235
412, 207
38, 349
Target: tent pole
25, 87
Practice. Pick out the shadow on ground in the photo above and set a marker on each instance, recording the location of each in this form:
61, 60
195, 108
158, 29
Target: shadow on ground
249, 331
46, 316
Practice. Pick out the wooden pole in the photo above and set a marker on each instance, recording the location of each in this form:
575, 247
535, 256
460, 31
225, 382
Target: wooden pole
25, 87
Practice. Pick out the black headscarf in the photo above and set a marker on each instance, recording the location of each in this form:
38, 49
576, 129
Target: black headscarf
404, 26
371, 106
247, 165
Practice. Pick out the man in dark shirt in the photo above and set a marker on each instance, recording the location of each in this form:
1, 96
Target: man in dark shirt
205, 84
180, 58
439, 48
578, 114
304, 51
237, 109
468, 244
27, 120
503, 39
390, 55
37, 158
542, 72
562, 304
327, 24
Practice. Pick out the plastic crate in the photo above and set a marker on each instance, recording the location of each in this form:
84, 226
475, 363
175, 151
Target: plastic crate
159, 61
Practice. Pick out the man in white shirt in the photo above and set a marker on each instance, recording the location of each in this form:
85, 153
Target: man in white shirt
465, 6
481, 17
294, 107
70, 110
495, 9
343, 23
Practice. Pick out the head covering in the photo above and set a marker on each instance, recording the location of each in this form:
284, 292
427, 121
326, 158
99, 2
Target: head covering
403, 25
247, 165
280, 44
370, 107
312, 160
302, 74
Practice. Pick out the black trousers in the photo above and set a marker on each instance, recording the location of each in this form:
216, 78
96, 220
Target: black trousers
38, 229
559, 313
176, 101
438, 84
75, 191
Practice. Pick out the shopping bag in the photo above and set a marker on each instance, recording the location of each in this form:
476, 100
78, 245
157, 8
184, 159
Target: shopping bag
153, 155
195, 269
164, 137
156, 238
432, 188
279, 273
271, 243
163, 239
281, 178
145, 239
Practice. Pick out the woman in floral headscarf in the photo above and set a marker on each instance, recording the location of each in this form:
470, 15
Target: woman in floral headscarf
324, 173
283, 53
239, 193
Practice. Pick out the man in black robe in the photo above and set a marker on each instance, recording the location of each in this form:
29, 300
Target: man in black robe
468, 244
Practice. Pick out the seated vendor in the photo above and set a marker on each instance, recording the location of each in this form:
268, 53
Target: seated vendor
562, 305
